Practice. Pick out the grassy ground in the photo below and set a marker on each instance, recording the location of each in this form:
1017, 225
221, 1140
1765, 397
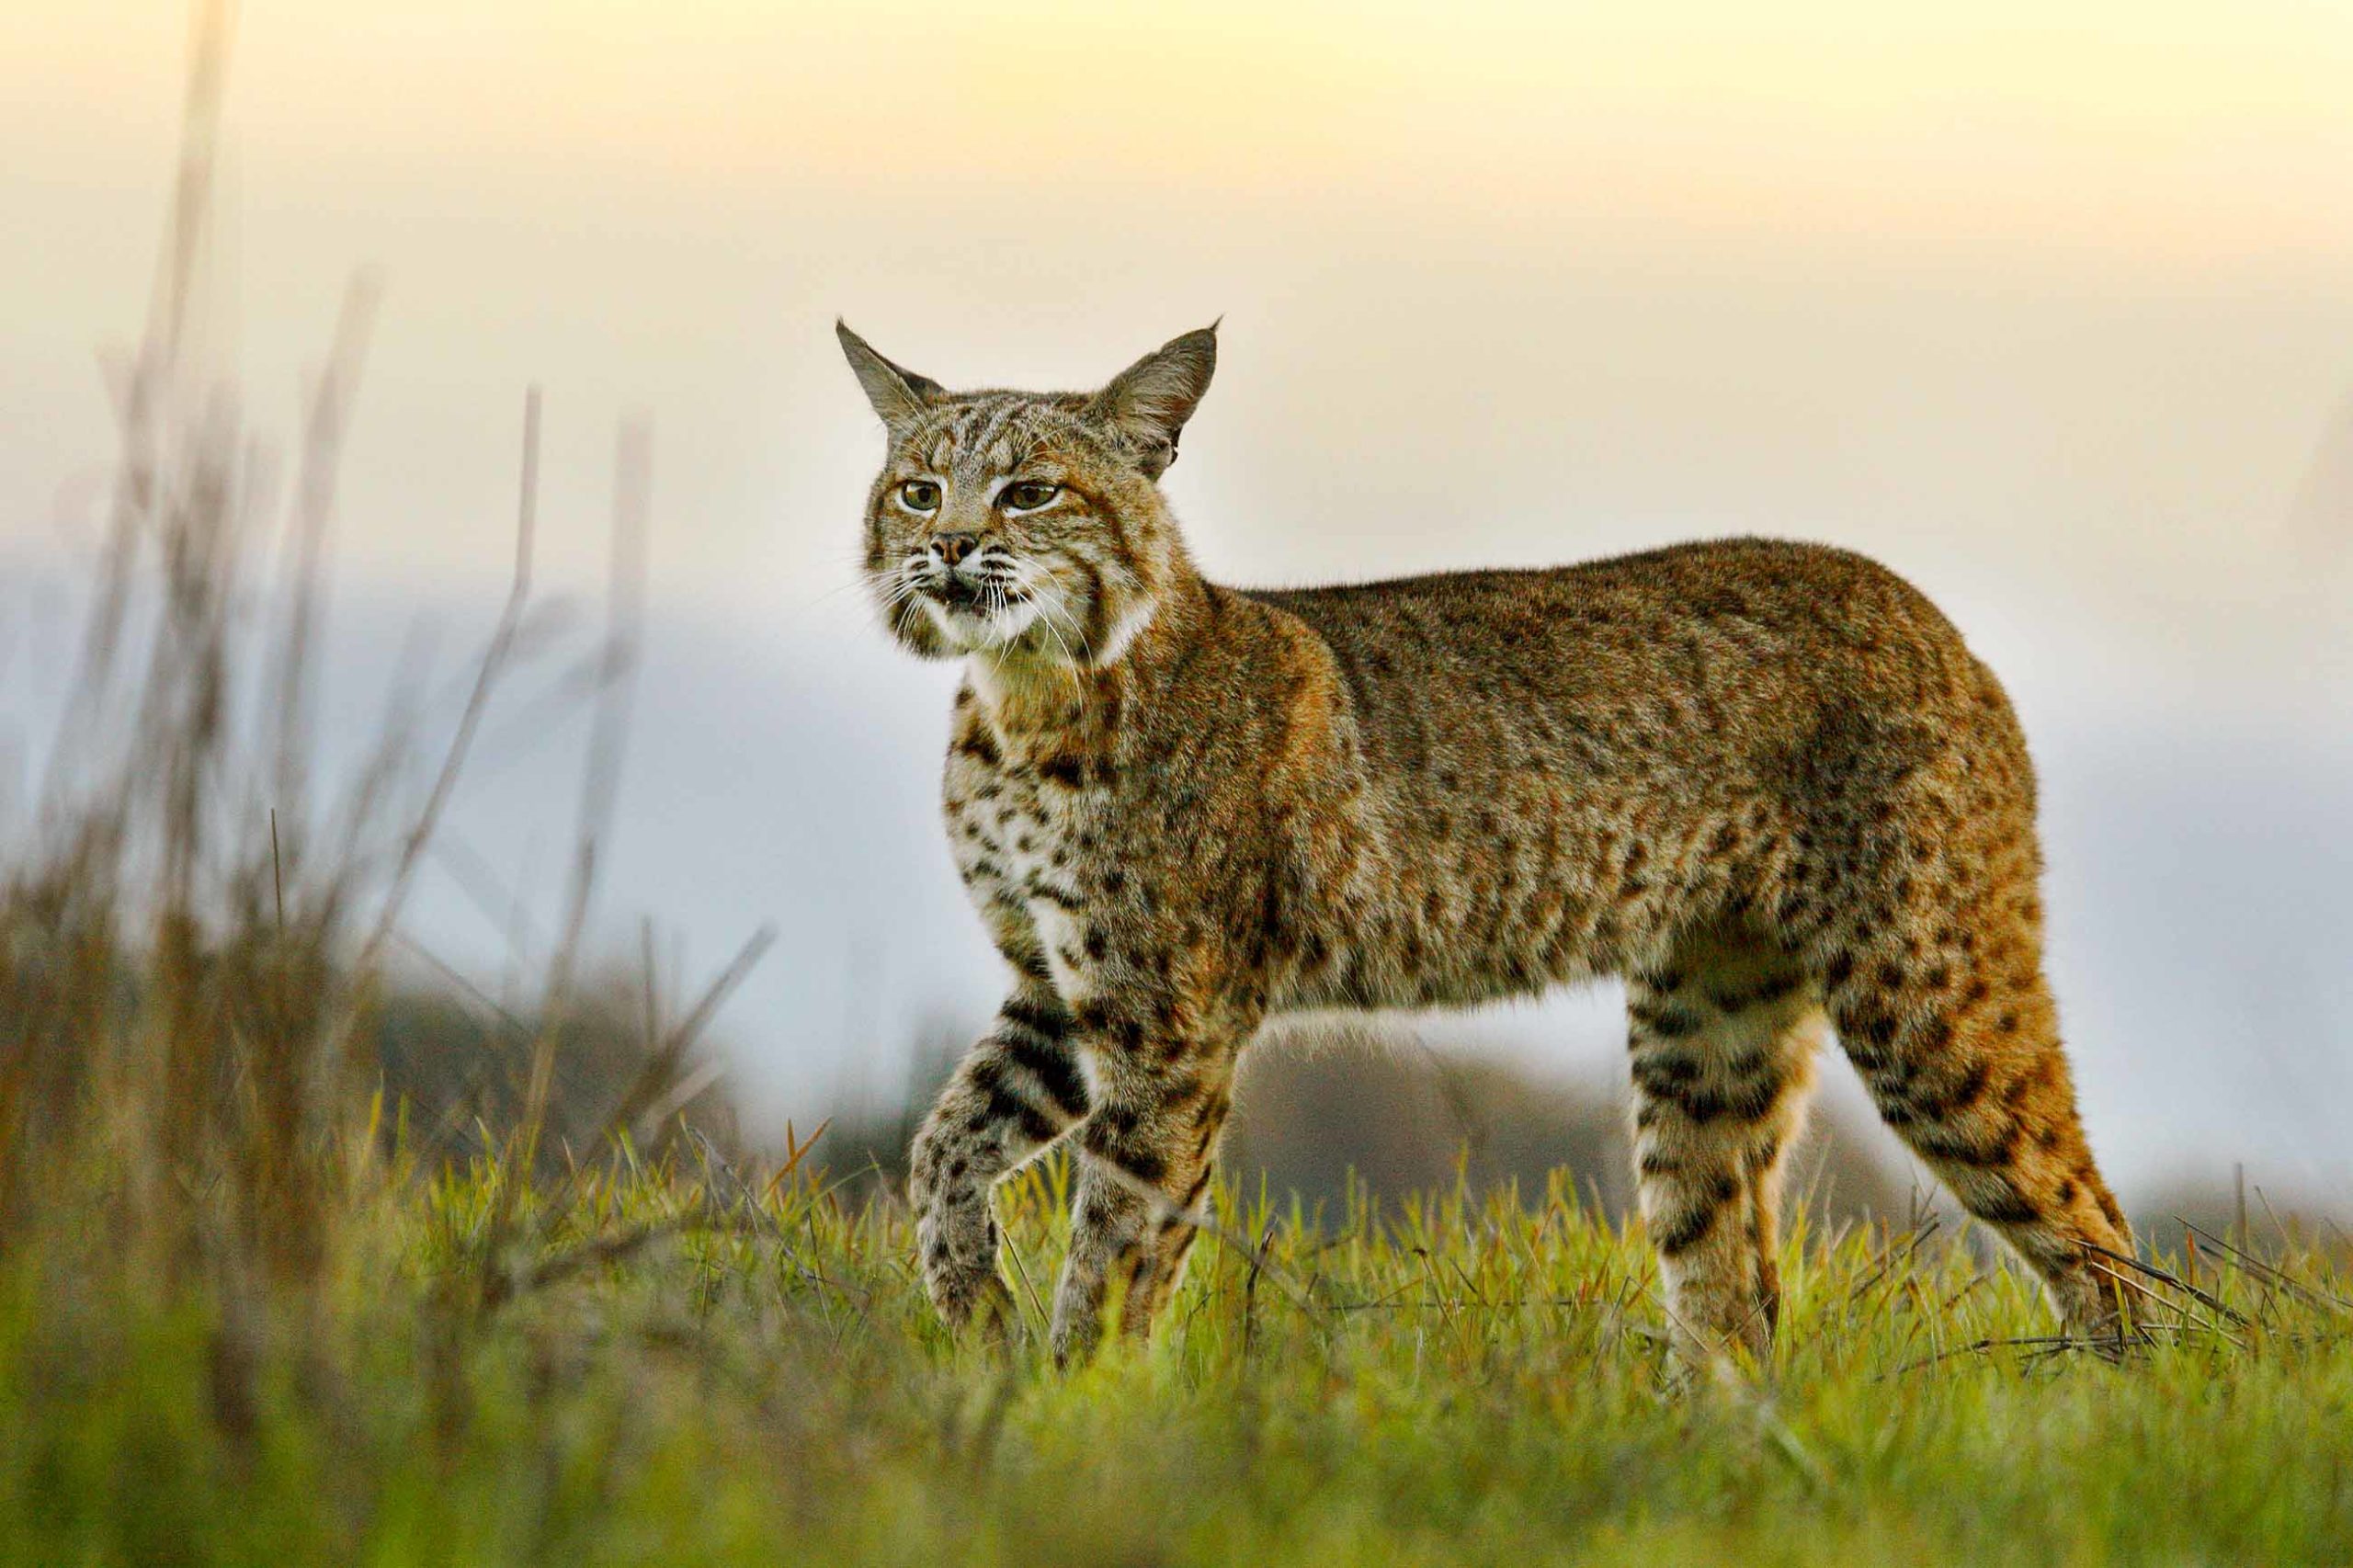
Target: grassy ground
668, 1367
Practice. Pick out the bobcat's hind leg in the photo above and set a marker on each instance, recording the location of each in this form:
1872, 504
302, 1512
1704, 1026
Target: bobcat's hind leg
1960, 1049
1722, 1037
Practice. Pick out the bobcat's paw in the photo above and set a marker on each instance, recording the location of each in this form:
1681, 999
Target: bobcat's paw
958, 1239
965, 1287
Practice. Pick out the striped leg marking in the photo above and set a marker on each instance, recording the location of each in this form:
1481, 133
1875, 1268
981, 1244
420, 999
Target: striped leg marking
1723, 1041
1019, 1090
1971, 1073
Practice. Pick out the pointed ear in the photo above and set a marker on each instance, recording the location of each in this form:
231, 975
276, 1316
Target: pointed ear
899, 396
1148, 401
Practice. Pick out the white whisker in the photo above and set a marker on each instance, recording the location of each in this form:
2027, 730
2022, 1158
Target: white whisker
1051, 601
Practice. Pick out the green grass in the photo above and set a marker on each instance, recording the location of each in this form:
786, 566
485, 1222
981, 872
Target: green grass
677, 1370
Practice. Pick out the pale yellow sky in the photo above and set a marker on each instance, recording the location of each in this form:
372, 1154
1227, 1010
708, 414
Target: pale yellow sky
2133, 124
1888, 273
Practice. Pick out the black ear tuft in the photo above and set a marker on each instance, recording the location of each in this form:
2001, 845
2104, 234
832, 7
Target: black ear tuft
898, 395
1148, 401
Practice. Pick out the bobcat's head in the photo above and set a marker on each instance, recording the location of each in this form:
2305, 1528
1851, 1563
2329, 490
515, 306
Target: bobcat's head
1027, 525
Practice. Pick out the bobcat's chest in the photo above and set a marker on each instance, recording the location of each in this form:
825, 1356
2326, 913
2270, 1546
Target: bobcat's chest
1021, 833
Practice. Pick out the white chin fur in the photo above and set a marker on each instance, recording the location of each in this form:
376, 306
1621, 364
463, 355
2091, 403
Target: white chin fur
977, 634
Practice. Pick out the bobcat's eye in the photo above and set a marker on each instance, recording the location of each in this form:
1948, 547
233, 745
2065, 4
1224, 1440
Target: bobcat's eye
1027, 495
919, 496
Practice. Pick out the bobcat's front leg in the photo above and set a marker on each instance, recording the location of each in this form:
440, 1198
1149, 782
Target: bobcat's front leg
1146, 1155
1019, 1090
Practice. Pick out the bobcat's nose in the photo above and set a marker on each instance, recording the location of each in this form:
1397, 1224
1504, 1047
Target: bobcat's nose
952, 548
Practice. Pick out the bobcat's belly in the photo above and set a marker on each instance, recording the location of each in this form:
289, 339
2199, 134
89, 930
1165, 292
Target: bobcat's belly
1505, 894
1413, 956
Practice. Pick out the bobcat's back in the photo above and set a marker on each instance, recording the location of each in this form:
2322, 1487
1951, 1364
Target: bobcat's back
1560, 767
1716, 662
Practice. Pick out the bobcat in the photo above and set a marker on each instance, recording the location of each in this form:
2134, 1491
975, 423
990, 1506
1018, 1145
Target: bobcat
1764, 782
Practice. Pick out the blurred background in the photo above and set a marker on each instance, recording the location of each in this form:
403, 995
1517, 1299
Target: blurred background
2049, 306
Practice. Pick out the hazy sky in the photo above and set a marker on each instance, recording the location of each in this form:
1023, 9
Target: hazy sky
2049, 305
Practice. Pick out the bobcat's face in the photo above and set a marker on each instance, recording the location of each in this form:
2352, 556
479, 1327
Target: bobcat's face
996, 525
1024, 524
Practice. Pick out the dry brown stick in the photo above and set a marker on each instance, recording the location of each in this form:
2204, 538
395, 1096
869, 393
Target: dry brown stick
486, 675
2287, 1242
646, 1090
2129, 1283
313, 510
501, 1288
2163, 1277
452, 1113
599, 788
1977, 1348
2266, 1272
149, 379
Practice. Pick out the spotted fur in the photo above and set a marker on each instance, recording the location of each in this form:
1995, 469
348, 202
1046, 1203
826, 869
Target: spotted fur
1764, 782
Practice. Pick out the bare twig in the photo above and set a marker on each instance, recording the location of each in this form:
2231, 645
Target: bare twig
1976, 1348
2272, 1276
653, 1096
487, 676
501, 1286
2163, 1277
